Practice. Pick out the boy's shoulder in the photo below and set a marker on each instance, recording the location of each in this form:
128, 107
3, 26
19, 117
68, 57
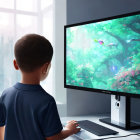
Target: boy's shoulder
40, 95
7, 90
45, 97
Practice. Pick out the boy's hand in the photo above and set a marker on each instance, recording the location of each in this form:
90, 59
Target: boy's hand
72, 127
2, 131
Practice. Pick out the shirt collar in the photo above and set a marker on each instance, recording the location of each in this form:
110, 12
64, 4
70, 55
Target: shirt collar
22, 86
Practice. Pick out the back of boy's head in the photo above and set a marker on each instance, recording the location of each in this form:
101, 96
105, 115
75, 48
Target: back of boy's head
32, 51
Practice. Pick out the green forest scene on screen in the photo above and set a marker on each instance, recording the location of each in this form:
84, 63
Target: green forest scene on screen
105, 55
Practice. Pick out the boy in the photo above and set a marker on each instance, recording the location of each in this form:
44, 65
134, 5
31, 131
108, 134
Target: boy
2, 120
31, 112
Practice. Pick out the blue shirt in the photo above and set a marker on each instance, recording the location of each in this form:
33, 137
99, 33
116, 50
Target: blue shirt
2, 114
31, 113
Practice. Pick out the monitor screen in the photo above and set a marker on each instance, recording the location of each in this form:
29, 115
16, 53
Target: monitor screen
104, 55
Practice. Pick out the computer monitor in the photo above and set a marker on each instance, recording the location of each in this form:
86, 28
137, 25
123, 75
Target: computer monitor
104, 56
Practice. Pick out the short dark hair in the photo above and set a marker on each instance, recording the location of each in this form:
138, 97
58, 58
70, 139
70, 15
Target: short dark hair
32, 51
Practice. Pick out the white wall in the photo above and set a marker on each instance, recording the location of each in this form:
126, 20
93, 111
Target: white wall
60, 21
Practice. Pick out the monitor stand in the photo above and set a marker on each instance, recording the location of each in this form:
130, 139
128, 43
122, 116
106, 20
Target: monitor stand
121, 113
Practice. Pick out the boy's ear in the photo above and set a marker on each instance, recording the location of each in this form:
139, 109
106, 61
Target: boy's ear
15, 64
45, 67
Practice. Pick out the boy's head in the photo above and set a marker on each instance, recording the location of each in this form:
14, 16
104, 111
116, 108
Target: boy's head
32, 51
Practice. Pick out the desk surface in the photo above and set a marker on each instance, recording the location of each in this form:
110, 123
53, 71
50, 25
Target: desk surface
96, 120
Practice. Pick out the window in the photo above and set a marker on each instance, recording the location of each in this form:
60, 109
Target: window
27, 5
7, 4
22, 27
17, 18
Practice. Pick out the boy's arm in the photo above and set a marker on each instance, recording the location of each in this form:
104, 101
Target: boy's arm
60, 136
50, 123
2, 119
70, 129
2, 130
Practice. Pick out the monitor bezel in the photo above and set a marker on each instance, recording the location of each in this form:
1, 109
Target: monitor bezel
94, 89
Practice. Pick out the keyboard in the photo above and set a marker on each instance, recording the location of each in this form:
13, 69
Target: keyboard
95, 128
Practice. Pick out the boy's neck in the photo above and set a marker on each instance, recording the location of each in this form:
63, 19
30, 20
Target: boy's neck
30, 78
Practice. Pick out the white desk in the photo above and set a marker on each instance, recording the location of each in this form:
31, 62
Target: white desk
96, 120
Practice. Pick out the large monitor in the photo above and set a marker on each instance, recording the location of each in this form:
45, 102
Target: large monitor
104, 56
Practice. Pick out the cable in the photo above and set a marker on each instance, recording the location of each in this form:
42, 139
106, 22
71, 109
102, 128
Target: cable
119, 136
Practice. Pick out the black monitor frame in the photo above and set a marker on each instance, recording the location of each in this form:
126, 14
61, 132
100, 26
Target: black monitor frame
93, 89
